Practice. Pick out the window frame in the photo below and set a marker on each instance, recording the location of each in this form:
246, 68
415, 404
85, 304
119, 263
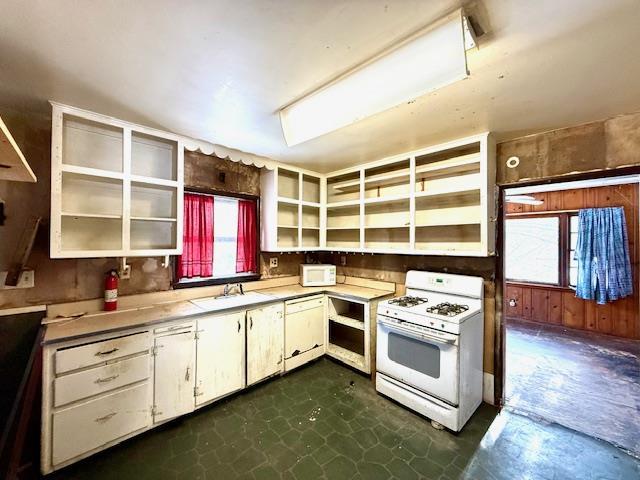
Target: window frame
564, 246
243, 277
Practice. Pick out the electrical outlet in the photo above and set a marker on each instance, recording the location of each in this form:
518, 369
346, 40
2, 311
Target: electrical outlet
343, 260
25, 280
273, 262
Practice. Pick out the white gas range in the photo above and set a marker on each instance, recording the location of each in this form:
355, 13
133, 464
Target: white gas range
429, 347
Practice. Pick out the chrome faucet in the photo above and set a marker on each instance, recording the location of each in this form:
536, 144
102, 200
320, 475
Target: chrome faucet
229, 287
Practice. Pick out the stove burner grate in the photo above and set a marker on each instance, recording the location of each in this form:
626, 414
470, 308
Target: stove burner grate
407, 301
448, 309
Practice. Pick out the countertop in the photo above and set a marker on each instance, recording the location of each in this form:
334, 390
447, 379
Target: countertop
72, 328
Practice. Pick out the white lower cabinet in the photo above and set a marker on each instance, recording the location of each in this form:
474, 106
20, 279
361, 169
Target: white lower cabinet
265, 342
220, 356
101, 390
174, 374
87, 426
304, 330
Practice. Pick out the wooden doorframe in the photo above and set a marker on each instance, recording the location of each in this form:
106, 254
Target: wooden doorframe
500, 324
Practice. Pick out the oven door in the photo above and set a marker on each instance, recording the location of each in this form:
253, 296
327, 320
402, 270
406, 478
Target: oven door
421, 357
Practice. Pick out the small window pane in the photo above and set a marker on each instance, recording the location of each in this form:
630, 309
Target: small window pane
531, 250
225, 234
573, 276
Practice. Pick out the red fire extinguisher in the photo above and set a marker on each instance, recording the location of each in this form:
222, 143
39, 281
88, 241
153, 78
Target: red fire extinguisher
111, 291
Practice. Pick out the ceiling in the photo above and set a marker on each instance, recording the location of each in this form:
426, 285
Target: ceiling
219, 70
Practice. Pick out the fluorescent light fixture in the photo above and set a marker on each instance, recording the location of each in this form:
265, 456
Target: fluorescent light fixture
524, 199
426, 61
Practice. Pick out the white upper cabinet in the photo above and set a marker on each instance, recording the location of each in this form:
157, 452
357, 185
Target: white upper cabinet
116, 188
292, 210
438, 200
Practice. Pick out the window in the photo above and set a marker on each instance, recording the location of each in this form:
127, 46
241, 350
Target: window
573, 240
532, 250
219, 241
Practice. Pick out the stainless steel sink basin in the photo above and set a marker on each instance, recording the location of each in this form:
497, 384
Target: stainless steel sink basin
230, 301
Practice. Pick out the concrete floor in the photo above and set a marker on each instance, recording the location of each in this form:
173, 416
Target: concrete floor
587, 382
325, 421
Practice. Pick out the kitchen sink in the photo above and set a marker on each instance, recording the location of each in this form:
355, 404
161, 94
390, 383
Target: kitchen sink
221, 302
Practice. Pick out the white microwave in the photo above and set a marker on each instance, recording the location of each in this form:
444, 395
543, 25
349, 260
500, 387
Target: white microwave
317, 275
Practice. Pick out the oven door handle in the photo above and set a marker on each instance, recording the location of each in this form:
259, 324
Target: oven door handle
418, 335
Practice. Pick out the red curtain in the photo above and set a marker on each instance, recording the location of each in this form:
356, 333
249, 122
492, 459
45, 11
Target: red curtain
247, 237
197, 239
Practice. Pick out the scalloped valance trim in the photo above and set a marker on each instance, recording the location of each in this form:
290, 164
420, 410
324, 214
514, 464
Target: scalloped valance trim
234, 155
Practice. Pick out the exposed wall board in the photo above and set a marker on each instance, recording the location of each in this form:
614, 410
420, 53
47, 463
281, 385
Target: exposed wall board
207, 171
607, 144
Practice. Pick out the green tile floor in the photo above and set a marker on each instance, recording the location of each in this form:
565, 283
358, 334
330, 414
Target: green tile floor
325, 421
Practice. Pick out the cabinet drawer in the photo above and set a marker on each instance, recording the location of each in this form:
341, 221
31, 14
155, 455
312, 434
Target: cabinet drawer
179, 328
82, 356
87, 383
300, 305
82, 428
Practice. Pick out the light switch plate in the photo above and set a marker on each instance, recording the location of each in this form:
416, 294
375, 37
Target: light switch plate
273, 262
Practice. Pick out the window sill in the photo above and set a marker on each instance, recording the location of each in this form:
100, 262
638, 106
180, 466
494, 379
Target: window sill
216, 281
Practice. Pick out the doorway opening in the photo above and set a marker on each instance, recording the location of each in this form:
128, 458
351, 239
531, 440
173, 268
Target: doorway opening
568, 360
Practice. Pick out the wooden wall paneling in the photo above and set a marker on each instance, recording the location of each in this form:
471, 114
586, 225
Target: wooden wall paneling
544, 206
590, 316
513, 293
554, 201
539, 305
572, 199
554, 314
624, 318
514, 208
573, 311
526, 303
604, 318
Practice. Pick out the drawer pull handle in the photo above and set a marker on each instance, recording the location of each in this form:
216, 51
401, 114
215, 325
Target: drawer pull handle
188, 374
177, 327
107, 379
238, 325
108, 352
106, 417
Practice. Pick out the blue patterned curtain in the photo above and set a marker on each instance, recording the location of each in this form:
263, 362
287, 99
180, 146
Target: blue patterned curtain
602, 252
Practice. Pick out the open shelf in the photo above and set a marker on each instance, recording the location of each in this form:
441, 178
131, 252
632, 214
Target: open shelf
154, 219
149, 234
310, 189
288, 184
287, 237
459, 238
287, 214
343, 238
387, 215
347, 338
387, 239
390, 180
154, 157
153, 201
346, 313
343, 217
90, 144
448, 210
336, 192
89, 215
311, 237
80, 233
85, 194
310, 217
